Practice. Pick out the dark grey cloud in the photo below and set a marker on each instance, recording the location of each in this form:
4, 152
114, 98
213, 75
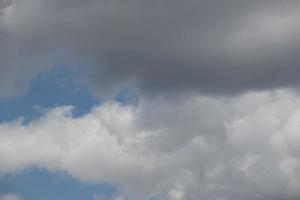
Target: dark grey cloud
159, 46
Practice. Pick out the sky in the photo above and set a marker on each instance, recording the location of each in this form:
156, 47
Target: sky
151, 100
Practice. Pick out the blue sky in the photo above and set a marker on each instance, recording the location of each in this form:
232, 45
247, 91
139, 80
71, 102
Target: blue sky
47, 90
40, 184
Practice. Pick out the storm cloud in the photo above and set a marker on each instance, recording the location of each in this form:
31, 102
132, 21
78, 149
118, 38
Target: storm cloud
215, 47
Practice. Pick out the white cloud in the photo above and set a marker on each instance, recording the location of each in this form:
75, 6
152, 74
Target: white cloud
178, 193
211, 148
9, 197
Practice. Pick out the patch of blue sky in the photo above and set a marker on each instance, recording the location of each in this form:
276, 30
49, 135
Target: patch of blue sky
48, 89
37, 184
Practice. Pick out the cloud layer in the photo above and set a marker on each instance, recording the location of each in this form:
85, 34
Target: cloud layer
243, 148
162, 46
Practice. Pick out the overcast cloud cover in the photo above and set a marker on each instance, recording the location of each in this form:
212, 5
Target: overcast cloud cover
230, 132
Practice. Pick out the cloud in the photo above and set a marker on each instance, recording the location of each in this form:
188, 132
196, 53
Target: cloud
203, 146
226, 148
5, 3
9, 197
101, 197
177, 193
213, 47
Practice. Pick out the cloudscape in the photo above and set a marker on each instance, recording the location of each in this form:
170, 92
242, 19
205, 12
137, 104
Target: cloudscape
152, 100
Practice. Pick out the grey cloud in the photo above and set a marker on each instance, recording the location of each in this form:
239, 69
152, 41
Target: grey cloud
162, 46
5, 3
21, 56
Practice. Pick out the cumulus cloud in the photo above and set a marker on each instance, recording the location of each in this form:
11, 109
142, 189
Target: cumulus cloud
244, 148
159, 47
